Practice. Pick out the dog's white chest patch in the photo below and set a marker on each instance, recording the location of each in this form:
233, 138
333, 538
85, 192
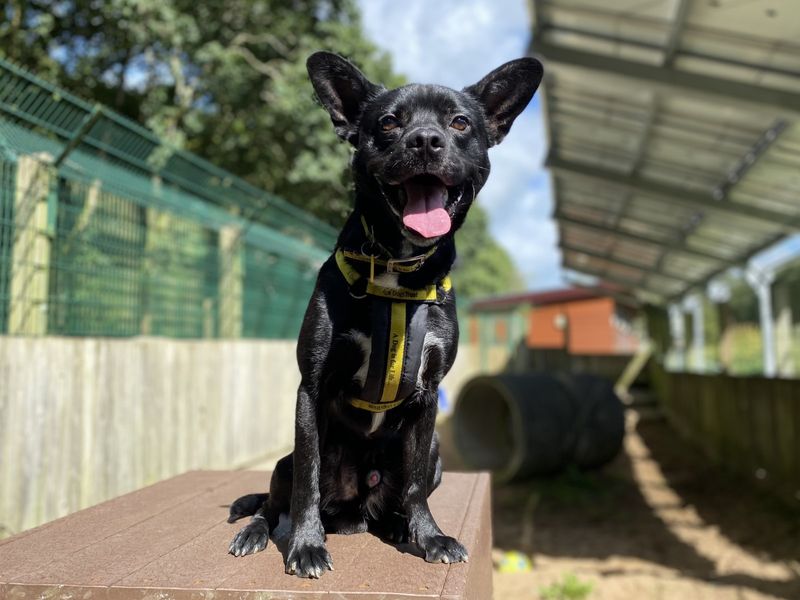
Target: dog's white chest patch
432, 342
377, 421
365, 343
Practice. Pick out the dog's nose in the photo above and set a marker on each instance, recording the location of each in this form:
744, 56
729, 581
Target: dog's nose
425, 139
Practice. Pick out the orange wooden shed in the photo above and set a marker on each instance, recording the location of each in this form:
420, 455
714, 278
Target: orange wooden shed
580, 321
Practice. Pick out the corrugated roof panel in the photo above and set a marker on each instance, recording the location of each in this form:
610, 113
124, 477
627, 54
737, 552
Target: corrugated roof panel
749, 25
598, 45
685, 175
573, 236
648, 230
640, 254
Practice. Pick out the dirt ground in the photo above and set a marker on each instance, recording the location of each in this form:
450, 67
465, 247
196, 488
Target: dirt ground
660, 522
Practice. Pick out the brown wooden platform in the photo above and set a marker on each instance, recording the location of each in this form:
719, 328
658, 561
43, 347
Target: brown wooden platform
170, 540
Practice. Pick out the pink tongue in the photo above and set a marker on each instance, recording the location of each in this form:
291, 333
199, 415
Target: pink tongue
424, 211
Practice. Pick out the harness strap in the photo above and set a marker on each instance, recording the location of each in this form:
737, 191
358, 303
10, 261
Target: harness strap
399, 328
393, 265
399, 318
429, 293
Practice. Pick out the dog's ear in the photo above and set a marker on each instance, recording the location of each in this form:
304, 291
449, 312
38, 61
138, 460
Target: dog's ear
505, 92
342, 89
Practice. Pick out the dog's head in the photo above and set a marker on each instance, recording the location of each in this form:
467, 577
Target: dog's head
421, 150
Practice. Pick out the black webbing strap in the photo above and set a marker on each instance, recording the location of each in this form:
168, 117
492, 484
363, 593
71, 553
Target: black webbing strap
398, 336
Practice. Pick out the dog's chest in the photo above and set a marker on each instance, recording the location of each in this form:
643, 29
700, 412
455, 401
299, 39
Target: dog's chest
379, 366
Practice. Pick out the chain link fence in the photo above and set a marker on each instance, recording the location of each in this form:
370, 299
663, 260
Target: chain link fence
105, 230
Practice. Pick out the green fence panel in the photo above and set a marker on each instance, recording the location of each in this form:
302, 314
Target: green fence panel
105, 230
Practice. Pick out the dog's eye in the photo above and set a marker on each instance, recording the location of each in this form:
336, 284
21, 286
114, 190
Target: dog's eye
388, 122
460, 123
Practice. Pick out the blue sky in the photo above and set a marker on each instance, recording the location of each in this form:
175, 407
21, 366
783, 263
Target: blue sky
455, 43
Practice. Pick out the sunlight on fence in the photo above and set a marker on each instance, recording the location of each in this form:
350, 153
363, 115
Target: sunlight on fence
106, 230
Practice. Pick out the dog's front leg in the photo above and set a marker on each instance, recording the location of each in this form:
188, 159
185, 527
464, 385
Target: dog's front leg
422, 528
307, 555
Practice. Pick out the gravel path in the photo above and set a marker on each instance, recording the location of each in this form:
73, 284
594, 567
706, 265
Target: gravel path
660, 522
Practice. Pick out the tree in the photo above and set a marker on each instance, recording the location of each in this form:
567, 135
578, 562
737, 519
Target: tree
483, 267
227, 80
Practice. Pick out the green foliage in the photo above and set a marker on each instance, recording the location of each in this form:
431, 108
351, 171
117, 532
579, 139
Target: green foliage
483, 267
227, 80
742, 350
743, 304
790, 274
569, 588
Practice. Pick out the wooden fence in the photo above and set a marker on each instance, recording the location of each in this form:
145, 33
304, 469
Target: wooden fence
83, 420
86, 419
749, 424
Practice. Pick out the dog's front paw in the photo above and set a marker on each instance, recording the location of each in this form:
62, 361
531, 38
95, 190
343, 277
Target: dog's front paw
442, 548
251, 539
308, 560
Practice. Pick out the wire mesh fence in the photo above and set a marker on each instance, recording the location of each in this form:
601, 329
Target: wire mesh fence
106, 230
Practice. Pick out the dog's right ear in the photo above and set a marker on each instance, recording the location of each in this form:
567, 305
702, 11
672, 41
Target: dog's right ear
342, 89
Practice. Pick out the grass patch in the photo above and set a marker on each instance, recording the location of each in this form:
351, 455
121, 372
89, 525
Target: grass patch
569, 588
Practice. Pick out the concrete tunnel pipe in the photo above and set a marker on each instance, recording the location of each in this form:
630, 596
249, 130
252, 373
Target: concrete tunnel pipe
520, 425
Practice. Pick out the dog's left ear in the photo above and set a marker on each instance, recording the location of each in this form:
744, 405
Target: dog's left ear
342, 89
505, 92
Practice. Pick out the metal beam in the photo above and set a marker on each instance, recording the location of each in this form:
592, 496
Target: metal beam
644, 139
621, 262
624, 282
747, 161
672, 194
600, 274
535, 12
706, 279
641, 239
619, 295
616, 40
668, 80
678, 26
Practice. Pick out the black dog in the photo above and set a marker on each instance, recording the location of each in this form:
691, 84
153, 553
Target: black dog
380, 331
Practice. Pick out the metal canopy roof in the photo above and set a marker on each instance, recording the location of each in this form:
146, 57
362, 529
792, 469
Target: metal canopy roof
674, 130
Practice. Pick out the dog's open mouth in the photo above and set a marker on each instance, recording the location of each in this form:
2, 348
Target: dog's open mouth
425, 211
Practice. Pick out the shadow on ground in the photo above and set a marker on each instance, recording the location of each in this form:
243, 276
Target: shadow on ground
659, 522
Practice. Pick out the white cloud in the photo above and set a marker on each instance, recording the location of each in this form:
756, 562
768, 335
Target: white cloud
455, 43
451, 42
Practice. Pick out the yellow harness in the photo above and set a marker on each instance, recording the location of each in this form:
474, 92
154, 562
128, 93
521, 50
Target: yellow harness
399, 318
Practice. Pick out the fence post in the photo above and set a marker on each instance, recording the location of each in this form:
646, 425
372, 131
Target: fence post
761, 281
30, 258
677, 325
784, 325
231, 281
697, 354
